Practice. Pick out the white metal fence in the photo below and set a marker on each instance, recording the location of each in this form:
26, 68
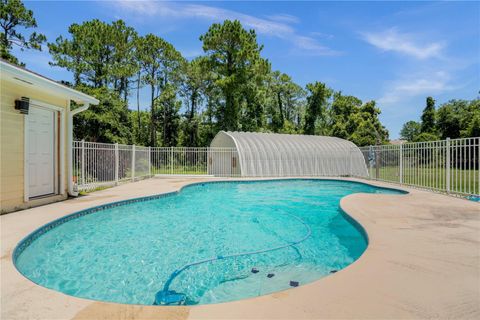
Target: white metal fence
450, 166
194, 161
97, 165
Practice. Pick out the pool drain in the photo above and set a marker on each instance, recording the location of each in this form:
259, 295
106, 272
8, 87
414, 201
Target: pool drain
171, 297
294, 283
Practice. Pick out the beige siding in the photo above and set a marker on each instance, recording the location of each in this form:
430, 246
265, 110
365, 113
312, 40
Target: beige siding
12, 142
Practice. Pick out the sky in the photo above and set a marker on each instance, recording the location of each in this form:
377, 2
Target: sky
396, 53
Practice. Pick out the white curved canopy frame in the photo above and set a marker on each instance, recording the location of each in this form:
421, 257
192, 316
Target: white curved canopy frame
283, 155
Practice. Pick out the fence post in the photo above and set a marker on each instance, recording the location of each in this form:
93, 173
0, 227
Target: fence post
83, 162
149, 161
133, 162
171, 160
116, 164
401, 164
447, 166
370, 161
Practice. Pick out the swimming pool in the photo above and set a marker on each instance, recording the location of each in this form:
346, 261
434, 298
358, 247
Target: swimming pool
209, 243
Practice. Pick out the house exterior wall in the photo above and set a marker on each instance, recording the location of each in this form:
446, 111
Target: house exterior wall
12, 143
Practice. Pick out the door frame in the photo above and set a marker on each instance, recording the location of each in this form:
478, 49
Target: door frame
59, 179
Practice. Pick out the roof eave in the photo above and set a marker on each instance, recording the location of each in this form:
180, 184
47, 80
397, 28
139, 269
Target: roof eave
28, 77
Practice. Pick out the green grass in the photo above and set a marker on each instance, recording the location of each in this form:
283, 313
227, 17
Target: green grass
85, 192
461, 181
190, 170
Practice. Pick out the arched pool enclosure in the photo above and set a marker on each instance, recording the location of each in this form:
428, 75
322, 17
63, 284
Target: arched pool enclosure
281, 155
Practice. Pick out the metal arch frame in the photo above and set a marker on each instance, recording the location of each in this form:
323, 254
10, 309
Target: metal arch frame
236, 146
269, 154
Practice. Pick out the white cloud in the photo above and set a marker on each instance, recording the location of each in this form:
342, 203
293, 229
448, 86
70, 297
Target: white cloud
278, 26
321, 35
420, 85
287, 18
310, 45
405, 43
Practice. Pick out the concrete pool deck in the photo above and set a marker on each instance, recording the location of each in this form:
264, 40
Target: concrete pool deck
423, 261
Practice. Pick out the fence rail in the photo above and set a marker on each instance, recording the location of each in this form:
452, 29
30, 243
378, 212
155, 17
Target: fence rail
98, 165
450, 166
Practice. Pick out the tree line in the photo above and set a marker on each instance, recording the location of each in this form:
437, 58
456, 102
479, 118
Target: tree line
231, 86
454, 119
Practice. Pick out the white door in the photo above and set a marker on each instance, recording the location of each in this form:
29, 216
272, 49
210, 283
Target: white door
41, 151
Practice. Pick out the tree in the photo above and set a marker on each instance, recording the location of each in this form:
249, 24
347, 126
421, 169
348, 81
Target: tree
284, 97
13, 15
194, 82
344, 106
341, 110
106, 122
252, 96
98, 54
473, 129
410, 130
470, 119
294, 107
232, 52
317, 101
428, 117
160, 63
366, 127
425, 136
87, 54
101, 58
140, 129
123, 65
365, 134
168, 116
454, 119
448, 123
230, 88
213, 105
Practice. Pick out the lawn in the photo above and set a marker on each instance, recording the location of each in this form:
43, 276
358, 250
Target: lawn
188, 170
461, 181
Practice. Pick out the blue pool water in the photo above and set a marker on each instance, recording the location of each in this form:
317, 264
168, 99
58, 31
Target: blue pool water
127, 253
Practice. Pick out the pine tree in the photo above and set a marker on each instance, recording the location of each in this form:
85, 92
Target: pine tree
13, 14
232, 52
317, 100
428, 117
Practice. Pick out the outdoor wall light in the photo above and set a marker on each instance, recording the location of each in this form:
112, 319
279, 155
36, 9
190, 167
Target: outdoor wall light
22, 105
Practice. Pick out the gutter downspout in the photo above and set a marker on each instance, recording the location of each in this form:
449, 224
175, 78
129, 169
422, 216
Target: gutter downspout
70, 114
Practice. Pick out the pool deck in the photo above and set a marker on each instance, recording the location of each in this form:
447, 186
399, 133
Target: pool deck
423, 261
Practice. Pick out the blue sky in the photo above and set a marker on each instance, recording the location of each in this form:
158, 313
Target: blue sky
396, 53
